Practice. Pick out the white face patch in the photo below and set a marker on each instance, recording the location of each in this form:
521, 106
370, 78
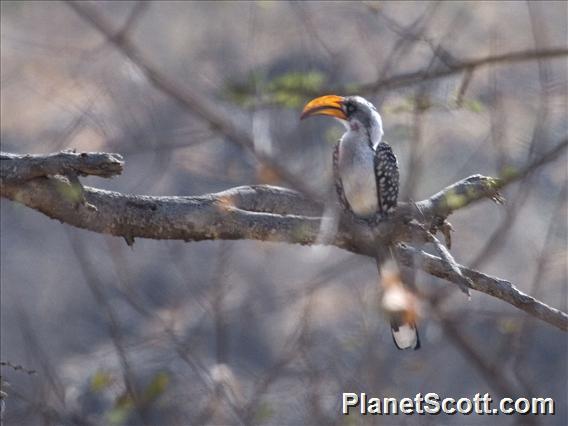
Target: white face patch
372, 123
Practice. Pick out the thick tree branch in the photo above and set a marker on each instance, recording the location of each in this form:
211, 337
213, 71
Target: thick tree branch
250, 212
460, 195
17, 168
208, 217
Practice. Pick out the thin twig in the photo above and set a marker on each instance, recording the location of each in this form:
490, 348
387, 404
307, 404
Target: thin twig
410, 78
183, 94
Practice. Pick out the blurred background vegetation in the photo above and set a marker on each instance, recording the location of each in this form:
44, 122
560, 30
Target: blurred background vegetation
243, 332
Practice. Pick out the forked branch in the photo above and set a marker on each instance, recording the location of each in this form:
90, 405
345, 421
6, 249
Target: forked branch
258, 212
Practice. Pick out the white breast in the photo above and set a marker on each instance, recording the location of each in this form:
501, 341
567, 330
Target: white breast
357, 171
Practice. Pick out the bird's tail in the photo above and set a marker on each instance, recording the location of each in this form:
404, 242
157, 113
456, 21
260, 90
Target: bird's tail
405, 333
400, 305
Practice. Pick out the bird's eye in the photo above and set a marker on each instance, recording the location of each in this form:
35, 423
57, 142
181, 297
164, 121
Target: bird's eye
350, 108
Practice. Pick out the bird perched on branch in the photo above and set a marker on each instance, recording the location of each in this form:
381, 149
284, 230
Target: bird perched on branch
366, 177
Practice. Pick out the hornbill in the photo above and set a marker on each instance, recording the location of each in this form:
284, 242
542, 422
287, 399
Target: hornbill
366, 180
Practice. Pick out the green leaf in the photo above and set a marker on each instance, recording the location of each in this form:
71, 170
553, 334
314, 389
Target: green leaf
298, 81
473, 105
157, 386
287, 90
100, 381
263, 413
118, 415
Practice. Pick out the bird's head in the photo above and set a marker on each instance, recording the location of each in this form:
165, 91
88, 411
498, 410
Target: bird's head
355, 112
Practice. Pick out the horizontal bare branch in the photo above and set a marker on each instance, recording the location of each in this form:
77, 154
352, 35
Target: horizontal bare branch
134, 216
15, 167
261, 212
208, 217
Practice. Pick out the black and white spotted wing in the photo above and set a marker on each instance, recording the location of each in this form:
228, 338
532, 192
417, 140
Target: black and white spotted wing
386, 172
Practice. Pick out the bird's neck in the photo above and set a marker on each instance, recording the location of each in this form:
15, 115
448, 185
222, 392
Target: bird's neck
369, 134
366, 136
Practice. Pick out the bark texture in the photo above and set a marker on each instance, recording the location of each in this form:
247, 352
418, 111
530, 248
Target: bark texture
49, 184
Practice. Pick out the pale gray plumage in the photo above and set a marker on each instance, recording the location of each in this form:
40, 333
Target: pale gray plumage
366, 177
366, 169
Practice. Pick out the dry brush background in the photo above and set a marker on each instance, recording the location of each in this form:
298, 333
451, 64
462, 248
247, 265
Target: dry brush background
168, 332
